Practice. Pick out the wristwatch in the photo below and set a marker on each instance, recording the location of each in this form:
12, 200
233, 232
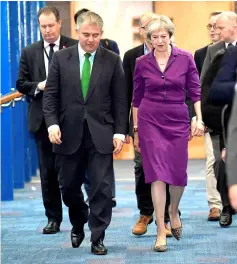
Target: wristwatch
135, 129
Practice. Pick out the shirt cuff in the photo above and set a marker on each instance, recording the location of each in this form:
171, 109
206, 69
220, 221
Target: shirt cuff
236, 88
52, 127
119, 136
37, 91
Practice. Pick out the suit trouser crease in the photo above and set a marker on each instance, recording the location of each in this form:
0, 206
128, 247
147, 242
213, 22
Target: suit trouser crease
71, 170
49, 180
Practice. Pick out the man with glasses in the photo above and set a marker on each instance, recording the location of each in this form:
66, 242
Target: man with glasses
226, 25
213, 197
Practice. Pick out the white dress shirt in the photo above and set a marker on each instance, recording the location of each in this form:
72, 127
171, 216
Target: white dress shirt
47, 49
233, 43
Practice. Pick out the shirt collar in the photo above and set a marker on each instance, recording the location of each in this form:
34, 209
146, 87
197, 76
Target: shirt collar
82, 52
146, 50
233, 43
46, 44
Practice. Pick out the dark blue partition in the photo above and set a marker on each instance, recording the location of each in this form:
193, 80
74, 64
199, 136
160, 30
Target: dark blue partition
6, 117
17, 110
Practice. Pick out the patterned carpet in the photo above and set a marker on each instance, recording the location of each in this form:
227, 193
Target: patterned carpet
202, 242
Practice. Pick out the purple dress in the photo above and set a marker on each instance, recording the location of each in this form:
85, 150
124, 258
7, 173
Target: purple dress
163, 118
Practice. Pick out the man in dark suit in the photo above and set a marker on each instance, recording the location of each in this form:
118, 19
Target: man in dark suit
143, 190
222, 93
106, 43
110, 45
232, 155
33, 71
86, 111
213, 197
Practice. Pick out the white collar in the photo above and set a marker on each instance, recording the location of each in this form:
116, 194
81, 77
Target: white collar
233, 43
46, 44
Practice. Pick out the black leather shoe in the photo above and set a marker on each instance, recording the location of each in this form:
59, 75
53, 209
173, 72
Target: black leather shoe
77, 238
51, 228
114, 203
226, 217
98, 248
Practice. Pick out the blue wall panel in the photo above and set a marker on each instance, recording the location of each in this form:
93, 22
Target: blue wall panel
6, 117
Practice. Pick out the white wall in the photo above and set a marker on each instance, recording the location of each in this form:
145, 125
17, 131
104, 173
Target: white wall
117, 16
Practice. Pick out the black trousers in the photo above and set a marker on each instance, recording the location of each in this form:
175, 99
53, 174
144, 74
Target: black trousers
143, 190
222, 182
71, 172
48, 175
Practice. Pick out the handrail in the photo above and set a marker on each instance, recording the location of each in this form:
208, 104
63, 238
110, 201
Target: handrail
9, 97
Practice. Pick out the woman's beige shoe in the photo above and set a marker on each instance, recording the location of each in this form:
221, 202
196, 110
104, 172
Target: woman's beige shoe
161, 248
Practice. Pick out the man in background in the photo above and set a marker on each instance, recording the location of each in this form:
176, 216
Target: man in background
213, 196
226, 24
33, 71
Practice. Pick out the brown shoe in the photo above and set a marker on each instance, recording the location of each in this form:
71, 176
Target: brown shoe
214, 214
168, 231
140, 227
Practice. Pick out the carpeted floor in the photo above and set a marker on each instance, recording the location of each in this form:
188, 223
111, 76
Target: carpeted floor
202, 242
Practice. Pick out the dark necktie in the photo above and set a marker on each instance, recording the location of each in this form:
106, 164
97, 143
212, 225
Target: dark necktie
86, 74
229, 45
51, 52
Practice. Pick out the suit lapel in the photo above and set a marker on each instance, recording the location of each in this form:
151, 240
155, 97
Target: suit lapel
74, 69
96, 71
63, 42
40, 60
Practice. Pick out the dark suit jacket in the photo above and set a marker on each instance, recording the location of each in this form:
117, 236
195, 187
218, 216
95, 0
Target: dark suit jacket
223, 86
129, 62
199, 57
105, 107
232, 146
110, 45
31, 72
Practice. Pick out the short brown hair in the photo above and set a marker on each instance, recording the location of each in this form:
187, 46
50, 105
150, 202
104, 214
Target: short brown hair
215, 13
48, 10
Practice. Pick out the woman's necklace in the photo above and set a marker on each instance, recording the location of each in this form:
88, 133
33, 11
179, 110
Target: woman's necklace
165, 62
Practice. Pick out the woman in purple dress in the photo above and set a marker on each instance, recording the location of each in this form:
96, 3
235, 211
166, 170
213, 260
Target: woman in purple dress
161, 121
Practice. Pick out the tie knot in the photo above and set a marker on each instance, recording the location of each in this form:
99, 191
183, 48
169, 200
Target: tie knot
87, 55
230, 44
51, 45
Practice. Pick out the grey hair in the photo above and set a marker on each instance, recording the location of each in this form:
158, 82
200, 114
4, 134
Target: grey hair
147, 15
163, 22
90, 18
230, 15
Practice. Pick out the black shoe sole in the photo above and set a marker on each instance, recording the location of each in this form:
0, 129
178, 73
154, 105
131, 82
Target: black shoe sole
99, 253
45, 232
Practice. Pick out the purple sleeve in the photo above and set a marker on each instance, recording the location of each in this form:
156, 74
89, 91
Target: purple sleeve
138, 85
193, 82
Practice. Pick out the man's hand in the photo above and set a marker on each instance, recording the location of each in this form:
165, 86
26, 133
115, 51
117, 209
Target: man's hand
233, 196
55, 135
223, 154
41, 85
118, 145
136, 142
127, 139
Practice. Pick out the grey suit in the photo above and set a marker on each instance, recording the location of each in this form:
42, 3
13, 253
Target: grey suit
211, 52
232, 146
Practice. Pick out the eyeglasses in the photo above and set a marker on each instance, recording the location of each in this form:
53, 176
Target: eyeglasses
210, 26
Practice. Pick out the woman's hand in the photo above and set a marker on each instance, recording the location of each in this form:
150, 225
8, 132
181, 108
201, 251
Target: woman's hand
136, 142
198, 129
